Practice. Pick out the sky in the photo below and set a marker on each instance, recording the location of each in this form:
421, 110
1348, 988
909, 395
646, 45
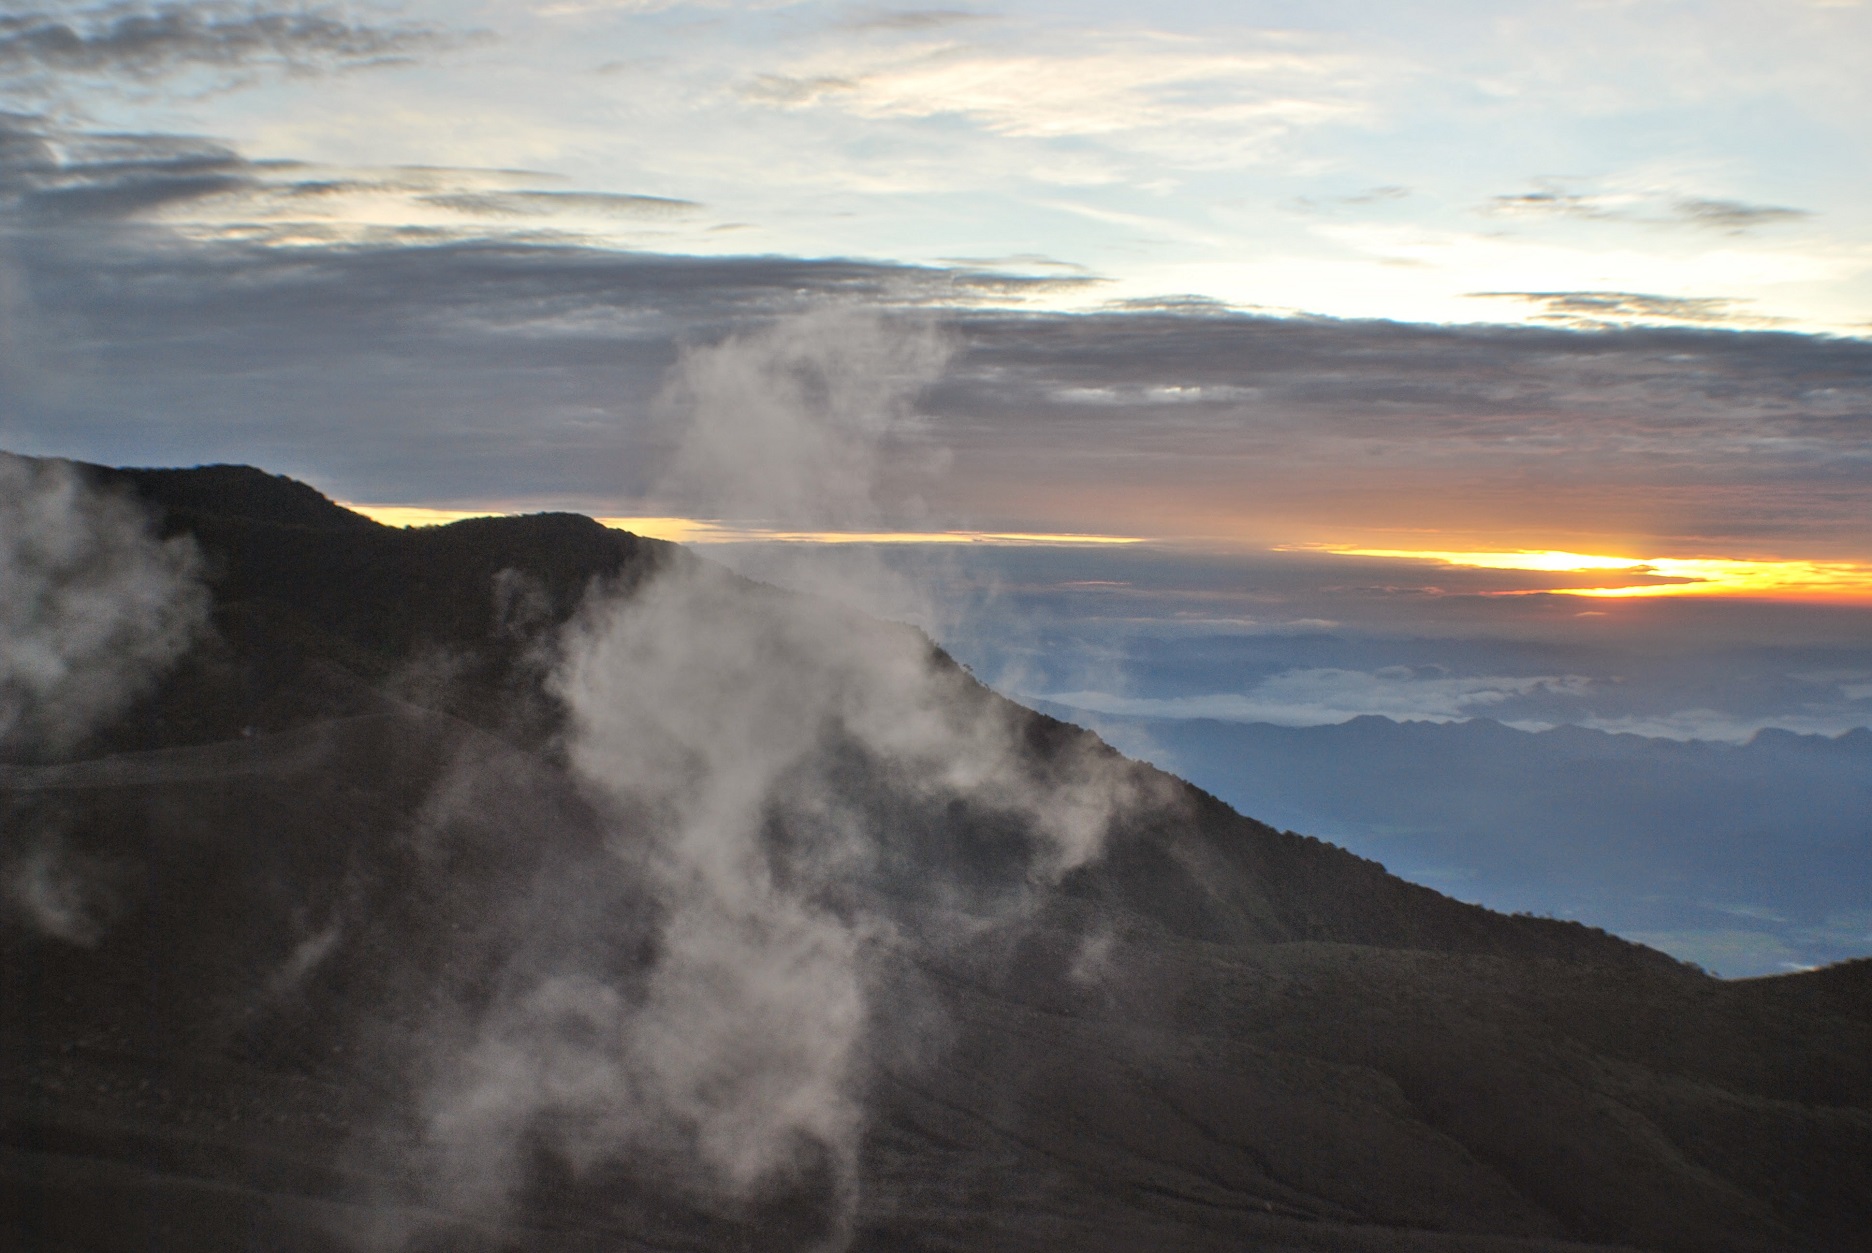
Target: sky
1535, 323
1580, 162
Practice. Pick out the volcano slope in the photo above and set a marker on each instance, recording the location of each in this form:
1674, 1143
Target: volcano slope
362, 951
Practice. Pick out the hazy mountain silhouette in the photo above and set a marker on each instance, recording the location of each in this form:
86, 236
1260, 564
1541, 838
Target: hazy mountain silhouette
1764, 848
328, 889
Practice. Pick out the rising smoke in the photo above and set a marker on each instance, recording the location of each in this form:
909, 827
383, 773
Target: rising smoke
93, 609
761, 757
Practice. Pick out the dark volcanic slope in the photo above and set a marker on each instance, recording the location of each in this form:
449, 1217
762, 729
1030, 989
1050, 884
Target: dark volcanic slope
1277, 1045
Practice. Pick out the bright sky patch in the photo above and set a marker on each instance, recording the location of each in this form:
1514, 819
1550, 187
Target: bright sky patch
1661, 576
701, 531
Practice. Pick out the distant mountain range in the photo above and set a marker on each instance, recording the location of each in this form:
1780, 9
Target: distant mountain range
347, 936
1749, 859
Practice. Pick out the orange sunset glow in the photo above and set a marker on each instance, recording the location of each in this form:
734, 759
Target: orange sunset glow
1686, 576
703, 531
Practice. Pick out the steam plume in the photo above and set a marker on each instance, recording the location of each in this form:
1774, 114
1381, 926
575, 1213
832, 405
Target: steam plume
92, 607
791, 426
749, 746
92, 610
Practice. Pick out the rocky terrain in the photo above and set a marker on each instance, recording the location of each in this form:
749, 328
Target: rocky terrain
338, 939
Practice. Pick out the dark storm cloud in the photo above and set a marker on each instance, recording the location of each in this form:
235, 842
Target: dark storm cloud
144, 44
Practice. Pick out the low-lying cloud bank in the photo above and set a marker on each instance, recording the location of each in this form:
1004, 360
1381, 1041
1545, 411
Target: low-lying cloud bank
1304, 698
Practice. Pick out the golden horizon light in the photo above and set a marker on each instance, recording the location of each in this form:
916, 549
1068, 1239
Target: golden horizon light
704, 531
1686, 576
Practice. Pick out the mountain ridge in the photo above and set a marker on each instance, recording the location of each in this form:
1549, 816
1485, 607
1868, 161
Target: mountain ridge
347, 823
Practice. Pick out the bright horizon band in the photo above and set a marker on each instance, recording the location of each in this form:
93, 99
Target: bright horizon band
1689, 576
701, 531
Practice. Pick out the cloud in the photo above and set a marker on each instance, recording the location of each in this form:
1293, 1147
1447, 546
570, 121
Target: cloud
553, 203
1725, 726
1554, 202
261, 313
916, 20
1554, 199
1386, 194
1321, 697
1191, 102
582, 8
42, 52
62, 178
1734, 215
780, 89
1593, 309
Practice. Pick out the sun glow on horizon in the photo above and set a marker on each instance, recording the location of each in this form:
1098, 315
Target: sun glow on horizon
704, 531
1659, 576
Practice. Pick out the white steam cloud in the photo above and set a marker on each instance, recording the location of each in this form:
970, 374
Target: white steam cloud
744, 742
790, 426
92, 607
92, 610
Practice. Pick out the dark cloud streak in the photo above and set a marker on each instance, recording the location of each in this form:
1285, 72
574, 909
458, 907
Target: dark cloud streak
1593, 309
548, 203
1734, 215
40, 52
1553, 199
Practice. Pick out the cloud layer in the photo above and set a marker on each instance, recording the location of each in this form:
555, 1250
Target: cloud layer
48, 52
241, 313
1305, 698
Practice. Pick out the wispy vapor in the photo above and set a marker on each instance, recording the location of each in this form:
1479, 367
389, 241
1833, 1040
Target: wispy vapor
92, 607
1554, 199
788, 425
750, 747
61, 893
1199, 103
1734, 215
552, 203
